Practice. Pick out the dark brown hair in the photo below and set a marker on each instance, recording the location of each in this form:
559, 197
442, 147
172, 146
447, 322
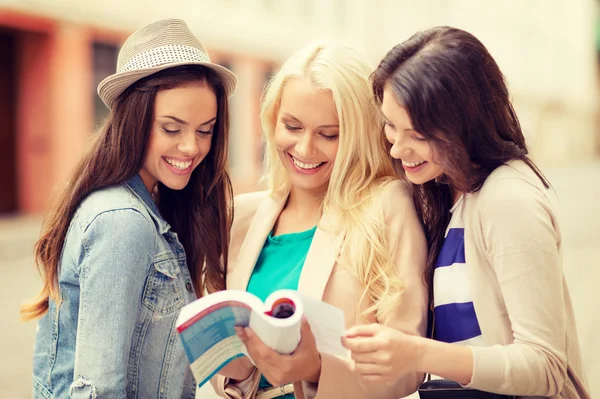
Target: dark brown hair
200, 214
458, 100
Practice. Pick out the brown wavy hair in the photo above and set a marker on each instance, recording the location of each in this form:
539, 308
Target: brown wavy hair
200, 214
457, 98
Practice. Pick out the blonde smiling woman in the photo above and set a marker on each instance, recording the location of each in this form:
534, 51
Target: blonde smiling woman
334, 224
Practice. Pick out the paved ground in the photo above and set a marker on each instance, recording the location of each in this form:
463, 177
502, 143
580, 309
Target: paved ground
579, 191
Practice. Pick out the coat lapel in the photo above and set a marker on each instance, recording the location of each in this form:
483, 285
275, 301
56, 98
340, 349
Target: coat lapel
321, 258
262, 223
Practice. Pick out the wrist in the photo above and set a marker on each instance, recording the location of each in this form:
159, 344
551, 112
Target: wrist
422, 346
315, 374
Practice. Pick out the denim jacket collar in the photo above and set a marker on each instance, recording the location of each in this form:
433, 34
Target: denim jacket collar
139, 189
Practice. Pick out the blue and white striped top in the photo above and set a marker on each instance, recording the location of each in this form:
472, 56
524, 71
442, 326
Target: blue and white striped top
455, 318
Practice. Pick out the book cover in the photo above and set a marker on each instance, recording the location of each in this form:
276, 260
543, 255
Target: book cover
207, 326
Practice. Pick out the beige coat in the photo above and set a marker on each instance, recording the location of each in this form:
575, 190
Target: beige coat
323, 278
513, 249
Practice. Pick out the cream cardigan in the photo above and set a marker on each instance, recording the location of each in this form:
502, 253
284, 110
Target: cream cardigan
513, 248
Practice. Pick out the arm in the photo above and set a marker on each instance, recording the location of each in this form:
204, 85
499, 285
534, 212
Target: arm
409, 251
117, 248
521, 240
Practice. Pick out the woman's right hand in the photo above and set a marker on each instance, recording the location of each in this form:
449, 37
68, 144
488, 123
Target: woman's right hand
238, 369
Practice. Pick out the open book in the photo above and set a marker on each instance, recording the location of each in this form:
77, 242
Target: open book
206, 326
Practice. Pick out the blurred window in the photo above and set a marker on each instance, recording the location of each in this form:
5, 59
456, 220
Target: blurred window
104, 64
234, 126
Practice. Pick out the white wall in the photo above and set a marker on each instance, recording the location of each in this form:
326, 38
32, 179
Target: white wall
546, 50
544, 47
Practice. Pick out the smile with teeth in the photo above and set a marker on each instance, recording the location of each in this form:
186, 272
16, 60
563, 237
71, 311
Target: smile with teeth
304, 165
178, 164
412, 164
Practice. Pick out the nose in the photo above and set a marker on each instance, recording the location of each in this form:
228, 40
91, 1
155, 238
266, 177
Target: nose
188, 143
399, 148
305, 146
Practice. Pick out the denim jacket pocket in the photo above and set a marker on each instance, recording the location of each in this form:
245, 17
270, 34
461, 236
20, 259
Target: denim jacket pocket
163, 293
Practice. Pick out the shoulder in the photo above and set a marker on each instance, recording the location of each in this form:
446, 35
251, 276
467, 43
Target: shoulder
394, 197
245, 207
394, 190
117, 207
513, 197
248, 203
513, 185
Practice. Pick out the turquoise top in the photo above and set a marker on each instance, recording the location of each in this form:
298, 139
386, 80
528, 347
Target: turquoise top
278, 267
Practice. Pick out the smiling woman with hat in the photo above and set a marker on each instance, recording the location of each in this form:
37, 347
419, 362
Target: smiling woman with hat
142, 226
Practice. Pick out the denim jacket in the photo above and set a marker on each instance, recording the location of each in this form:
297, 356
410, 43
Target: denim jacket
123, 279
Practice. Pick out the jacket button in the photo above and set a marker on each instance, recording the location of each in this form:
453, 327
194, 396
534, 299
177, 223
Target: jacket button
188, 286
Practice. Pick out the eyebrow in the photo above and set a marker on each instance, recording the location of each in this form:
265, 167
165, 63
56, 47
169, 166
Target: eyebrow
297, 120
185, 123
408, 129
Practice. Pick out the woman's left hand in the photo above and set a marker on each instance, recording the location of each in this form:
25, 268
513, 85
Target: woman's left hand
304, 364
381, 354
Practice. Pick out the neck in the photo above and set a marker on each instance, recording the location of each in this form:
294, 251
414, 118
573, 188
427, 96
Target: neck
456, 195
305, 204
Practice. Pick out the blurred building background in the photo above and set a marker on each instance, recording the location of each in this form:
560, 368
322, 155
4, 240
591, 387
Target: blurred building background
53, 53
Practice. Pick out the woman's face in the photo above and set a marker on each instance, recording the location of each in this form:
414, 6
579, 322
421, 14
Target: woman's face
306, 134
180, 136
408, 145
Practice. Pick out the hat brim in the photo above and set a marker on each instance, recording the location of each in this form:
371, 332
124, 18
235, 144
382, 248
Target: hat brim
112, 87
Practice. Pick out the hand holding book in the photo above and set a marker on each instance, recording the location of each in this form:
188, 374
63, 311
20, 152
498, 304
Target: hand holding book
207, 328
302, 365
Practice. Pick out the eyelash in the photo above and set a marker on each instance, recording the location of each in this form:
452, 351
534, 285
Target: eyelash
331, 138
295, 129
291, 128
414, 136
174, 132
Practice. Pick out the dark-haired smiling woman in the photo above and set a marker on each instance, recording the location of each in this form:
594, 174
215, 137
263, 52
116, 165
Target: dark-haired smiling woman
123, 250
503, 316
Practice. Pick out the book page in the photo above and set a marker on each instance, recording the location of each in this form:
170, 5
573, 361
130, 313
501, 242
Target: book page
327, 324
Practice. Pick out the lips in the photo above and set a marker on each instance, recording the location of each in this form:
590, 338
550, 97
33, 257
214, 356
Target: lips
181, 165
413, 169
413, 164
305, 168
306, 165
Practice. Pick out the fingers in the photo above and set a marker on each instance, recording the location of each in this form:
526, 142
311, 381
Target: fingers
305, 326
361, 344
274, 367
257, 350
377, 357
365, 330
307, 337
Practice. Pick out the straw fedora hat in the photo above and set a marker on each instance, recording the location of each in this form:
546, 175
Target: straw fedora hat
161, 45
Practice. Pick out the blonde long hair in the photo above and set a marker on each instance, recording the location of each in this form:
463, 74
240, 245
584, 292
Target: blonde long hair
361, 170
